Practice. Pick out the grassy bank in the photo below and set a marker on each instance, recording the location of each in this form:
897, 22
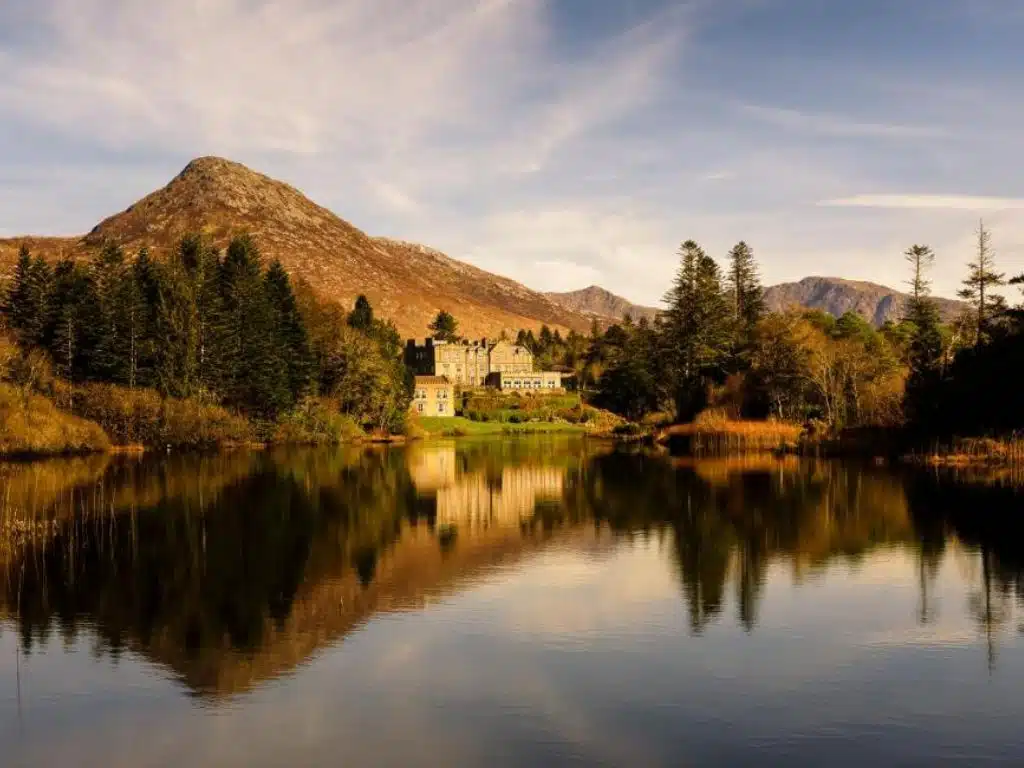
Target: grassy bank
31, 425
462, 427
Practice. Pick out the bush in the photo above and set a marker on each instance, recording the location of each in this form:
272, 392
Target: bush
31, 425
143, 417
316, 421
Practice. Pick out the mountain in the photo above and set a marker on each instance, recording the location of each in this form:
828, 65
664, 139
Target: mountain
407, 283
601, 304
874, 302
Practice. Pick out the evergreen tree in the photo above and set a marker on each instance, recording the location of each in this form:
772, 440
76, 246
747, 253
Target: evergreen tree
925, 344
445, 327
27, 303
290, 337
361, 316
256, 375
143, 320
746, 296
697, 329
979, 284
109, 274
72, 331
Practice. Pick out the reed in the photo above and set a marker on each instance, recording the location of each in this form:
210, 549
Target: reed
713, 433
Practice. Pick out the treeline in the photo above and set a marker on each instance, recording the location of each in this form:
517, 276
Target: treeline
717, 347
215, 328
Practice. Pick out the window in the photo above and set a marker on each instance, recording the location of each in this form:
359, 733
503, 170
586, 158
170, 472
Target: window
440, 407
419, 407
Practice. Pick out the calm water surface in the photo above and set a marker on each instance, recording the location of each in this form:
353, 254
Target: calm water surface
537, 602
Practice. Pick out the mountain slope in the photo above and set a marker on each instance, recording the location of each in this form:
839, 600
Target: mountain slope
602, 304
876, 303
407, 283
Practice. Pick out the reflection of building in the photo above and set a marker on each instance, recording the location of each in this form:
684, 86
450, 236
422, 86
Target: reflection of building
478, 499
477, 363
433, 396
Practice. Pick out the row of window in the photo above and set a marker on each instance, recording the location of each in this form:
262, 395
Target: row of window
441, 408
422, 395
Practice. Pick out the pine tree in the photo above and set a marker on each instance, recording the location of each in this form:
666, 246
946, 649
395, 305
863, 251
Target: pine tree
256, 375
111, 358
925, 343
696, 334
27, 304
979, 284
444, 327
144, 320
746, 296
290, 337
72, 332
361, 316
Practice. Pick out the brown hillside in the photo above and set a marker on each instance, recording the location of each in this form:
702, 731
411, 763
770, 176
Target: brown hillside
407, 283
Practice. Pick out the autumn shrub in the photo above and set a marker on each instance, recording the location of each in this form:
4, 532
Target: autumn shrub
143, 417
316, 421
31, 425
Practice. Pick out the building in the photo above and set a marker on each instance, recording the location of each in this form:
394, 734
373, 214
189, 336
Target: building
536, 381
433, 396
467, 364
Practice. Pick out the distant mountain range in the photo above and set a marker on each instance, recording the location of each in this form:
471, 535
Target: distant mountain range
876, 303
406, 282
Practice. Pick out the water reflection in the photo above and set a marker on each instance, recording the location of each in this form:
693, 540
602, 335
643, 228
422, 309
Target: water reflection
234, 569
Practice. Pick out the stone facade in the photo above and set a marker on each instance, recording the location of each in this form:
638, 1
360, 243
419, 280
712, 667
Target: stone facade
433, 396
467, 364
534, 381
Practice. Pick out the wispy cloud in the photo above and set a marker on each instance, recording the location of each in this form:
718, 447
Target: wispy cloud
824, 124
531, 143
929, 202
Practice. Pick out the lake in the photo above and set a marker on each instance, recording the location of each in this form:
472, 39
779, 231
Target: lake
539, 601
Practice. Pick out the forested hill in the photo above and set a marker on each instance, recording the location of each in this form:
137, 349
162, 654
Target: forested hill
875, 303
407, 283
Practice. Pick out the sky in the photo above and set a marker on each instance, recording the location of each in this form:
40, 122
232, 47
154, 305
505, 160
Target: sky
562, 143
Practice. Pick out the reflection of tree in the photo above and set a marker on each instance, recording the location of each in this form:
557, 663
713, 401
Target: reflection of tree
985, 517
731, 520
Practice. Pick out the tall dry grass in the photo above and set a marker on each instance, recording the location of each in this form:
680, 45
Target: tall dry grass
31, 425
713, 432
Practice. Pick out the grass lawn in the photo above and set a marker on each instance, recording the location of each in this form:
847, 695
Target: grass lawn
461, 427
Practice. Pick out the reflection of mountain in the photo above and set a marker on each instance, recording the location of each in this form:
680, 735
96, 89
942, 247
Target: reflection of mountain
247, 581
505, 497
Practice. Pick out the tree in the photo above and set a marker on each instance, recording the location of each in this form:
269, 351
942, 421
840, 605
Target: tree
290, 337
697, 331
27, 305
979, 284
361, 316
925, 347
743, 286
445, 327
257, 377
